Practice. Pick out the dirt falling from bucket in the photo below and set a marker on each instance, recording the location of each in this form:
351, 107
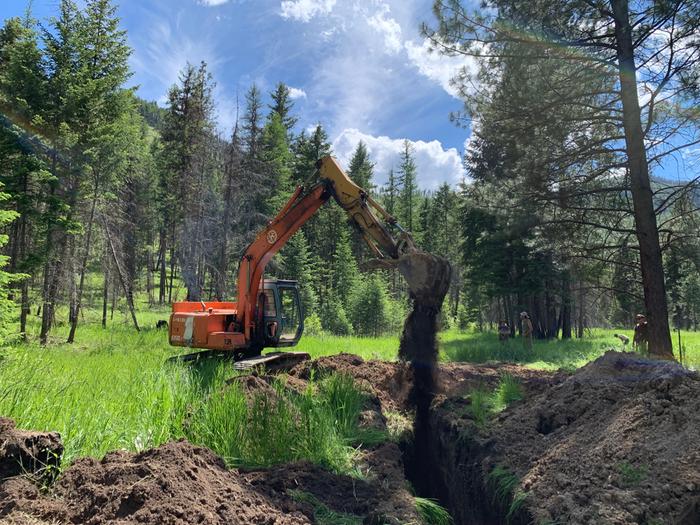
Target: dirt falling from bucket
418, 347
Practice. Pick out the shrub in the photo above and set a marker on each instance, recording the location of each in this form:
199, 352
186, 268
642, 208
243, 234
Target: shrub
334, 319
370, 307
312, 325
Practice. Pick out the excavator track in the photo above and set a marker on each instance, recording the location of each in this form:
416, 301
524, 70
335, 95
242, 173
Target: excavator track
271, 362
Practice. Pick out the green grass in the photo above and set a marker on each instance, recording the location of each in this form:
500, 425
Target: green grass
630, 475
432, 513
113, 389
504, 486
484, 404
322, 514
475, 347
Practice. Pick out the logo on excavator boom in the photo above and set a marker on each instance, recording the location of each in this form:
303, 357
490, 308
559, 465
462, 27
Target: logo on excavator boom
272, 237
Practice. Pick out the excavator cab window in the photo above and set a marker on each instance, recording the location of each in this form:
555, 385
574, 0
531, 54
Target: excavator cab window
290, 313
282, 315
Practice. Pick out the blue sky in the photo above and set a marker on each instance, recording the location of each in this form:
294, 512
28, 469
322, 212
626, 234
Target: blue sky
360, 67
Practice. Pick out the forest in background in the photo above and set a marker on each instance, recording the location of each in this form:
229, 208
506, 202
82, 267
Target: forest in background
108, 197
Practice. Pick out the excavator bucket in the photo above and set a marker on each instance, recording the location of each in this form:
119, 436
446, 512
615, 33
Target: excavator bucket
428, 277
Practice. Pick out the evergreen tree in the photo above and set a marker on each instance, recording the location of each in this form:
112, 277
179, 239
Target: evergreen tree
390, 194
6, 278
344, 268
282, 105
361, 169
370, 307
278, 157
252, 122
409, 188
299, 265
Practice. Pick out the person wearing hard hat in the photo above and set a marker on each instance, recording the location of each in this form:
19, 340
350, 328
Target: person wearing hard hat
527, 330
641, 334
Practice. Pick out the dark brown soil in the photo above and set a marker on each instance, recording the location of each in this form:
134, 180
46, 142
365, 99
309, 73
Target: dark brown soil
615, 443
27, 452
180, 483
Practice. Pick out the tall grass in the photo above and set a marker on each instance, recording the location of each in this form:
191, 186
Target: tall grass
120, 393
484, 404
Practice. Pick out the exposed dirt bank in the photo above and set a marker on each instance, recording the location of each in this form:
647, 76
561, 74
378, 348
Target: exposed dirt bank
615, 443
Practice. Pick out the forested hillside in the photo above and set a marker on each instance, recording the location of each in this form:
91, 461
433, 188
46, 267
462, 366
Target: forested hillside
119, 201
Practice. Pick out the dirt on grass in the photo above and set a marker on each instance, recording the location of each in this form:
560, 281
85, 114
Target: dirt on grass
24, 452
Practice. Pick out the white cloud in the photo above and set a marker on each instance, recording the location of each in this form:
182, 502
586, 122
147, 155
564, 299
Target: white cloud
434, 163
305, 10
295, 93
438, 67
382, 22
212, 2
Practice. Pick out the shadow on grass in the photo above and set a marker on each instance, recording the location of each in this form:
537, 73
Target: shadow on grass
482, 348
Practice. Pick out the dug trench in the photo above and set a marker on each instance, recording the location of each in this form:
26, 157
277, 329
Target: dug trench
614, 442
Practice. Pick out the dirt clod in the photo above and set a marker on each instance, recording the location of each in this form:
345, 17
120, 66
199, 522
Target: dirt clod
27, 452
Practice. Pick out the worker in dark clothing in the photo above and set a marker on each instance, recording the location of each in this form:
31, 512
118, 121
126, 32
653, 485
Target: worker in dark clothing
527, 330
503, 331
641, 334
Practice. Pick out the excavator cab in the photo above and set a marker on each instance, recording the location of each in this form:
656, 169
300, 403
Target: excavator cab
283, 319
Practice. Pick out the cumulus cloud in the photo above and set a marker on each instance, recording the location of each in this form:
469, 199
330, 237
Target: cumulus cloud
434, 163
436, 66
305, 10
212, 2
295, 93
389, 28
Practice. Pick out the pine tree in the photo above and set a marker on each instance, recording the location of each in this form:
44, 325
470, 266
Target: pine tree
277, 155
6, 278
390, 194
361, 169
282, 105
344, 268
252, 122
409, 188
370, 307
298, 264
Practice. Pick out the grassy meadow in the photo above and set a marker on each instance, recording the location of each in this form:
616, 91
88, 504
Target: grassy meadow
113, 389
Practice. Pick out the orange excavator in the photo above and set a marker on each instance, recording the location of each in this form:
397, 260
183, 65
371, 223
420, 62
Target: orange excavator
268, 313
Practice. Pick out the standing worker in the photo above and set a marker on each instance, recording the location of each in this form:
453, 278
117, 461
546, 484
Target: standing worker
527, 330
641, 334
503, 331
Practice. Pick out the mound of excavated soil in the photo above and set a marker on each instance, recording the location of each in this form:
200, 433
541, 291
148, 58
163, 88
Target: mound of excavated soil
27, 452
391, 382
618, 442
182, 483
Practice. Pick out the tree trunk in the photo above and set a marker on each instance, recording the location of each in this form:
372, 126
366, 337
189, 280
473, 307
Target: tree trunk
83, 267
172, 273
161, 262
122, 277
642, 197
105, 291
566, 306
581, 318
